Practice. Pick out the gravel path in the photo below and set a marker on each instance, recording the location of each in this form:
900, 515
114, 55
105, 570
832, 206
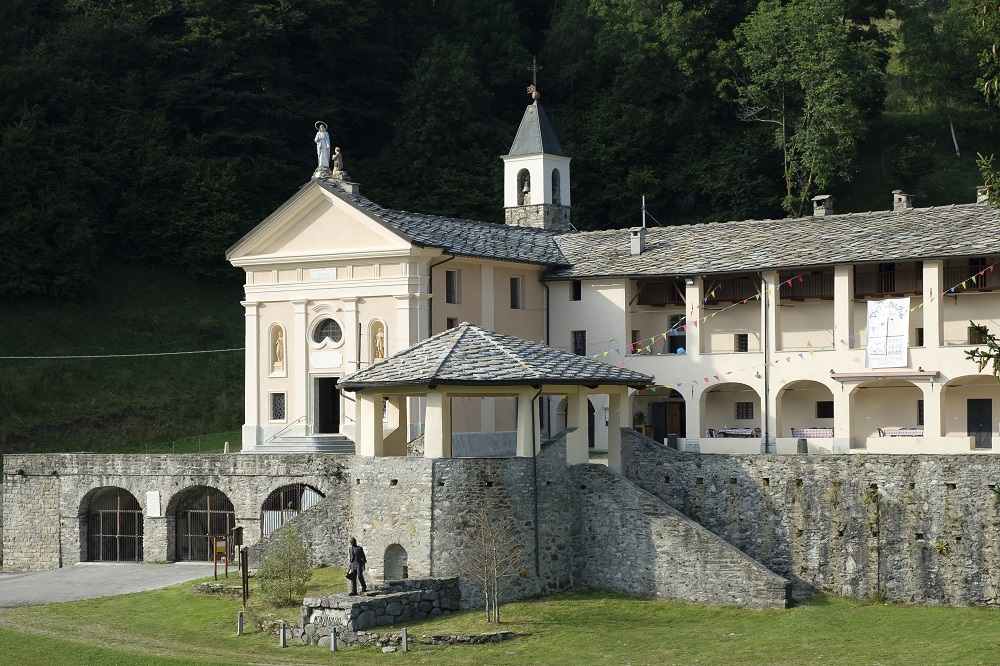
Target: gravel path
91, 580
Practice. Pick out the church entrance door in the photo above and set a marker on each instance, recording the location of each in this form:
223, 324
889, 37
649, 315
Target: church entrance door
327, 406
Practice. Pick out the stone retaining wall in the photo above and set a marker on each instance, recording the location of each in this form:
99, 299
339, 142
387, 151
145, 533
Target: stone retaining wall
630, 540
403, 601
921, 528
44, 510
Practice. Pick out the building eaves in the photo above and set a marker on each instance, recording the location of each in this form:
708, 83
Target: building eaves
469, 238
469, 355
961, 230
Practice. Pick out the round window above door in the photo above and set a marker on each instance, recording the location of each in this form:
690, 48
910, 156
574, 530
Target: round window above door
328, 330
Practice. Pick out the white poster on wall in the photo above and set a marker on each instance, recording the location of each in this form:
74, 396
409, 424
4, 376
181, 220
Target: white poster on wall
888, 333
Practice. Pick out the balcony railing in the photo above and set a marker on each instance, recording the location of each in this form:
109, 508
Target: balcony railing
812, 286
888, 282
955, 275
731, 289
661, 293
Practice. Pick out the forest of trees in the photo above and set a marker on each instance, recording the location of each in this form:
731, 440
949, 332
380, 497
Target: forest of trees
163, 130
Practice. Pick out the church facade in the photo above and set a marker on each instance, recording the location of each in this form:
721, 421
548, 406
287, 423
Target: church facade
827, 334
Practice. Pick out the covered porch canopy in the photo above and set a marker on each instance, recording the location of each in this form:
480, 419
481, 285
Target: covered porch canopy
469, 360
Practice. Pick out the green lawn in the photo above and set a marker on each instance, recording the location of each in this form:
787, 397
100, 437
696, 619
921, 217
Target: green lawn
177, 626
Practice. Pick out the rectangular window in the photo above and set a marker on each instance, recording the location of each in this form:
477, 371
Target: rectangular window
741, 342
636, 348
975, 337
452, 322
515, 293
576, 290
920, 337
451, 286
676, 336
579, 343
277, 406
920, 412
744, 410
824, 409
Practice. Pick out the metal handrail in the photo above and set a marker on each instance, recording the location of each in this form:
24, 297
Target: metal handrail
282, 431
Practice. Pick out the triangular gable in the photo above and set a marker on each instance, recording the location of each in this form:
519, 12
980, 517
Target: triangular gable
315, 221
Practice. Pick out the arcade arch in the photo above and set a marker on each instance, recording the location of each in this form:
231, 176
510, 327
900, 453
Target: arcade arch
285, 503
114, 527
197, 514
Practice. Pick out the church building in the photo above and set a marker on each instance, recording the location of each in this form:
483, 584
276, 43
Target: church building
826, 334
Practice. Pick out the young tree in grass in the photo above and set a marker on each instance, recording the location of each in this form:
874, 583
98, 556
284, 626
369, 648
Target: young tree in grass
283, 574
492, 554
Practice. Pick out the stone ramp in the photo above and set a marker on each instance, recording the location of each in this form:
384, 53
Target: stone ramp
632, 541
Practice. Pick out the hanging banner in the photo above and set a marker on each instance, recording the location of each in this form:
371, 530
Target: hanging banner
888, 333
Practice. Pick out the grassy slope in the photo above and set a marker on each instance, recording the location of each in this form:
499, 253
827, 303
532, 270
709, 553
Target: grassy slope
122, 404
176, 626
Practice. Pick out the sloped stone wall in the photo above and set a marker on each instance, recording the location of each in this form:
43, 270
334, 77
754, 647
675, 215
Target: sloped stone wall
632, 541
920, 528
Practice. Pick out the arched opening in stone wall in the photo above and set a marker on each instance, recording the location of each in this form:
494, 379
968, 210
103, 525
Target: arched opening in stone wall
113, 526
198, 514
285, 503
556, 188
395, 563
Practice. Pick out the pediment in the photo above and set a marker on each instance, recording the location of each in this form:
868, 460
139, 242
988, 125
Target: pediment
315, 222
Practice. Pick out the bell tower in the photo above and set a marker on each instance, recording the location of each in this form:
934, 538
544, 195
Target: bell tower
536, 172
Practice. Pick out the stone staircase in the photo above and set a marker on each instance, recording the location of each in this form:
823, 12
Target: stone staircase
307, 444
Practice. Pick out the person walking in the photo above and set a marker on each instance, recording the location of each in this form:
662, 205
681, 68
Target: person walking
356, 569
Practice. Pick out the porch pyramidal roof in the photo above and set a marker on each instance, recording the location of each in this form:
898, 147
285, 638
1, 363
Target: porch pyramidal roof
470, 355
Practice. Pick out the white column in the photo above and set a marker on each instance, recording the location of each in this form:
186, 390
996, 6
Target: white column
351, 321
617, 419
528, 437
772, 343
487, 297
298, 361
843, 429
693, 296
437, 429
252, 400
843, 305
577, 450
368, 428
933, 281
933, 406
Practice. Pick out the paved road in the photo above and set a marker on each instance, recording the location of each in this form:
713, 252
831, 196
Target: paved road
87, 581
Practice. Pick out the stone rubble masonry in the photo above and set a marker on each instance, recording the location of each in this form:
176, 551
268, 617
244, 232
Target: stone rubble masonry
632, 541
45, 511
399, 601
921, 528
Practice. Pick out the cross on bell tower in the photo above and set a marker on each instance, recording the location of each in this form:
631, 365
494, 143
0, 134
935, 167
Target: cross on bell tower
536, 172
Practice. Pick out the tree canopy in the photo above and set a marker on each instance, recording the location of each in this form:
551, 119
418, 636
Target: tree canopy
162, 130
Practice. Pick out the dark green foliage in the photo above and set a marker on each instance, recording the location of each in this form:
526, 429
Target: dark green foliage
164, 130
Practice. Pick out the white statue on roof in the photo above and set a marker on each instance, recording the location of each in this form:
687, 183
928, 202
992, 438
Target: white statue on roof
322, 148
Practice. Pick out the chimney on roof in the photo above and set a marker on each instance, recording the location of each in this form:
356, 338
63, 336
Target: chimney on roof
638, 240
982, 194
822, 205
901, 200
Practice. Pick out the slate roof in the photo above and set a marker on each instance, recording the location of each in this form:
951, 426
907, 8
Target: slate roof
468, 238
963, 230
535, 134
475, 356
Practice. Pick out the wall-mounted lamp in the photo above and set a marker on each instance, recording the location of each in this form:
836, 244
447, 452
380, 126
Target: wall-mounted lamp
689, 281
53, 473
21, 472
